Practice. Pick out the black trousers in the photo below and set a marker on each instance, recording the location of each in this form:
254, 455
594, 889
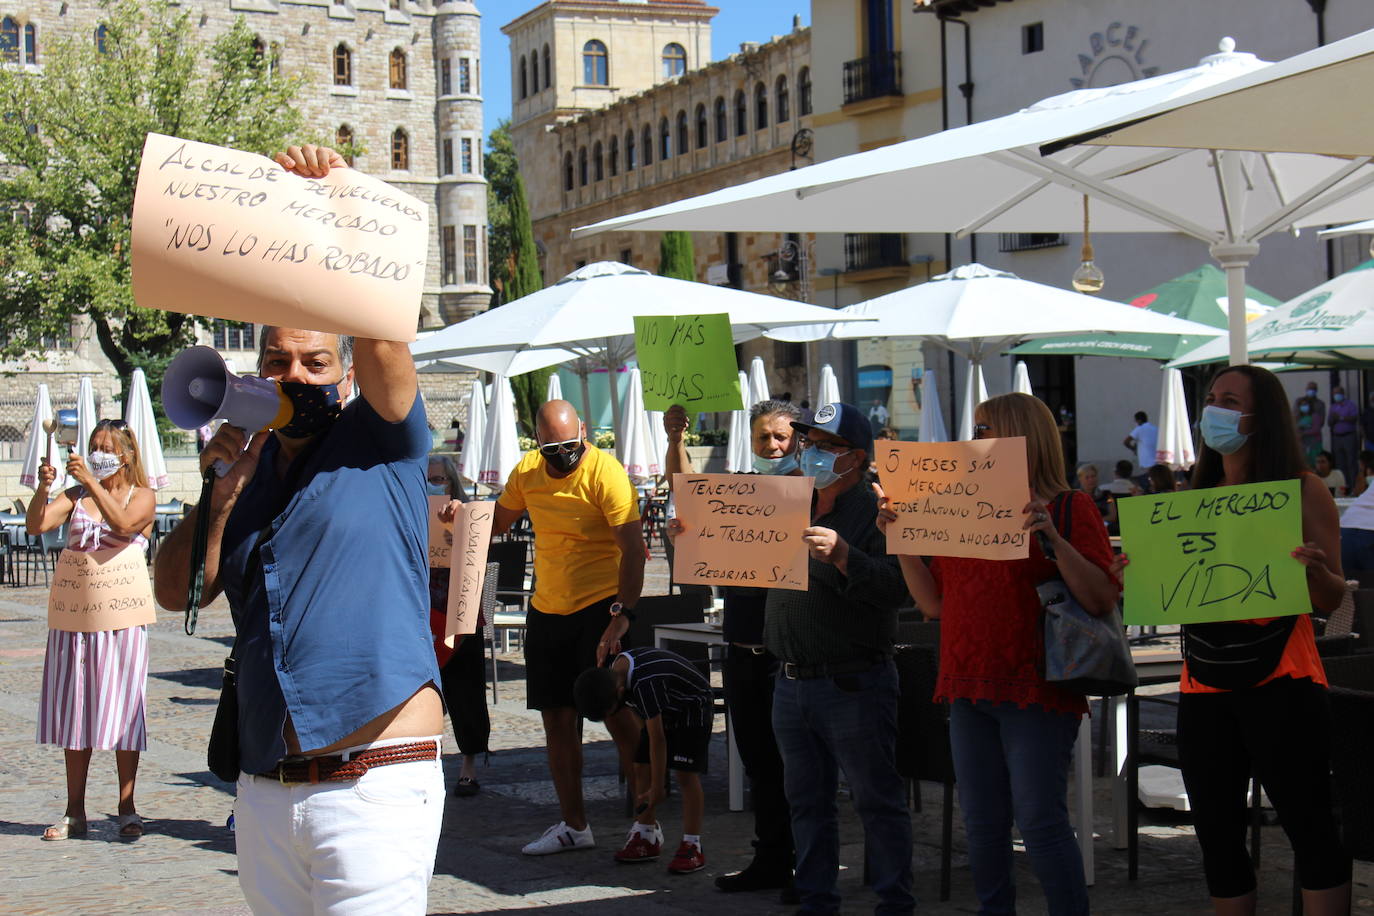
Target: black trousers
1283, 731
465, 694
749, 682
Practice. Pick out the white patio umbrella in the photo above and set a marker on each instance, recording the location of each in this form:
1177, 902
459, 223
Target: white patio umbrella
554, 391
932, 416
474, 441
758, 382
634, 446
991, 176
1175, 447
1021, 379
739, 453
85, 415
829, 390
975, 393
138, 413
1329, 325
501, 446
39, 445
658, 440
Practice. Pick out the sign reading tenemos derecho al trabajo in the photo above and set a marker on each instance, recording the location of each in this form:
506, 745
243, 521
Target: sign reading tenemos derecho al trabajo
742, 530
105, 589
1223, 553
956, 499
228, 234
687, 360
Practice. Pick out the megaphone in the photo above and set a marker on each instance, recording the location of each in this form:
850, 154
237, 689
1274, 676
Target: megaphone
198, 387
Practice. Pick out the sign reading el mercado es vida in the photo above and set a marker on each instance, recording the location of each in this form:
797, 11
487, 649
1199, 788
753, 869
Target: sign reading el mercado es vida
105, 589
956, 499
687, 360
1223, 553
742, 529
228, 234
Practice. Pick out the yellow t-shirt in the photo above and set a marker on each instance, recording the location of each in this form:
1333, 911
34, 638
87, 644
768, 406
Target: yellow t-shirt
576, 558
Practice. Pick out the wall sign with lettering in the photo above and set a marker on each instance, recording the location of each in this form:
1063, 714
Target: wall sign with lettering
742, 529
1118, 56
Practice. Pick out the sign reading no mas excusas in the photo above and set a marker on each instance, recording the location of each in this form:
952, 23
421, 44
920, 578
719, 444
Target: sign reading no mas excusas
687, 360
228, 234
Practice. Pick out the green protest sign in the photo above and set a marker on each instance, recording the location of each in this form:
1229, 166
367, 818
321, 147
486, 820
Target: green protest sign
1223, 553
687, 360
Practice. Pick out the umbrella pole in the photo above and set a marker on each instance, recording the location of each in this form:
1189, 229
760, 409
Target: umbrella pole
1234, 258
612, 359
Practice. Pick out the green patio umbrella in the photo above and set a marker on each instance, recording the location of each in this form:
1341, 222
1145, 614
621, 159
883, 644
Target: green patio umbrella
1198, 295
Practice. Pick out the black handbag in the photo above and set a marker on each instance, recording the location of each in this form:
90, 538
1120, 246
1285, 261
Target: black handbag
222, 753
1084, 653
1232, 655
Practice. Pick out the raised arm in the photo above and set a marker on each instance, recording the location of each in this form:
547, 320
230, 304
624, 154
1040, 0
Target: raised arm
124, 520
43, 515
677, 461
915, 573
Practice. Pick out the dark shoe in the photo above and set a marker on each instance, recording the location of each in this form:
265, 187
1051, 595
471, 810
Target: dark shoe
755, 877
688, 859
641, 848
466, 787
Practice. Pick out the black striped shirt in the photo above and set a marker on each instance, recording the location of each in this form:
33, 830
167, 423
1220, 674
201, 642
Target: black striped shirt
663, 683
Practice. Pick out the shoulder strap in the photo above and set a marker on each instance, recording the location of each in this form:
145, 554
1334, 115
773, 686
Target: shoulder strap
1061, 510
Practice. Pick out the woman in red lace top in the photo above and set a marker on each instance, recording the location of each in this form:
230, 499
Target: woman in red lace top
1012, 734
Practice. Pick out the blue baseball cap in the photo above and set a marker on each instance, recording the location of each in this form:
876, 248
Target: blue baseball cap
844, 421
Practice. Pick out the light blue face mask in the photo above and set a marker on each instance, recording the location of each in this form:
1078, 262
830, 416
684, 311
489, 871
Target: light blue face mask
1221, 429
820, 465
436, 489
784, 465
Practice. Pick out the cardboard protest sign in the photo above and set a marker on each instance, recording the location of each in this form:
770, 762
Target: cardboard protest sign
956, 499
471, 537
105, 589
1223, 553
229, 234
440, 535
742, 530
687, 360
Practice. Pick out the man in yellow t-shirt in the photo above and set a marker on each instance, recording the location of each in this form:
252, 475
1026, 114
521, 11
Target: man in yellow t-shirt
589, 571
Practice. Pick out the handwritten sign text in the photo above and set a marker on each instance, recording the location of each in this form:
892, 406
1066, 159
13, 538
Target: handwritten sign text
468, 572
104, 589
687, 360
742, 529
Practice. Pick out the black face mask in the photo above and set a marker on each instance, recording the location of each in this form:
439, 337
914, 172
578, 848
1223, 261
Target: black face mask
314, 408
565, 461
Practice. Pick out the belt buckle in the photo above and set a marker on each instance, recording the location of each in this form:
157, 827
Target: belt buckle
281, 771
758, 650
789, 671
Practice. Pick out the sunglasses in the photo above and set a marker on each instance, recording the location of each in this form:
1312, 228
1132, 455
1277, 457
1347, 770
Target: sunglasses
439, 480
112, 424
566, 447
981, 429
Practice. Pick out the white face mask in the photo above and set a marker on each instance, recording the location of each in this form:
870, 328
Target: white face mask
103, 464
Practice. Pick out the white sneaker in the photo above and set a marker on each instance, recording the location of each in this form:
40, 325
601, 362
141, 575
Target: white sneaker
560, 838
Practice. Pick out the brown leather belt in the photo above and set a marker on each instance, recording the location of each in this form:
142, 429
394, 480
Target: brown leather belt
334, 768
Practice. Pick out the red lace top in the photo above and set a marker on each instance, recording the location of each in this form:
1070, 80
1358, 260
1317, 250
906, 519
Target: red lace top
991, 639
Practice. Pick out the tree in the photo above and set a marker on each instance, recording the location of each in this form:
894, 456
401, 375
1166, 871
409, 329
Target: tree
675, 256
72, 137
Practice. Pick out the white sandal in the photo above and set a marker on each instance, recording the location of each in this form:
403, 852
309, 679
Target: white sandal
65, 829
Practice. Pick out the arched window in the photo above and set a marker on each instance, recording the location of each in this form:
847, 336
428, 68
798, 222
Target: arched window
594, 66
9, 40
343, 65
398, 69
567, 172
101, 33
630, 163
665, 140
741, 114
613, 156
781, 101
548, 71
674, 60
30, 44
400, 150
804, 91
682, 145
534, 73
760, 106
343, 141
582, 167
598, 164
524, 78
646, 145
722, 122
702, 138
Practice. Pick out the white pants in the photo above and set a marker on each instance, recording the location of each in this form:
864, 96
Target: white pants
364, 846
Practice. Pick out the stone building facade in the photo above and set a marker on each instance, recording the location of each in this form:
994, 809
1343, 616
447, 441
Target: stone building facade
400, 79
635, 115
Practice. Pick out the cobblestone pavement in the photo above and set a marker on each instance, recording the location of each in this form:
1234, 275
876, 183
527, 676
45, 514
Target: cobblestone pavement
185, 863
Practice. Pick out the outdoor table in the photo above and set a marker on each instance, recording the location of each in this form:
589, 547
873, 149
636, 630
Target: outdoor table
709, 634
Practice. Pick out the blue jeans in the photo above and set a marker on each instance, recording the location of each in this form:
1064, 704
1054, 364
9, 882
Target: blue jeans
1357, 550
846, 722
1013, 764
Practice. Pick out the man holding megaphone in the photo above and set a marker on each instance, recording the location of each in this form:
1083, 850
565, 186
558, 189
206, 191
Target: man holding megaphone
317, 536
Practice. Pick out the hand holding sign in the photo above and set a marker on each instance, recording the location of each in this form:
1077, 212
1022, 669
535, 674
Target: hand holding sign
687, 360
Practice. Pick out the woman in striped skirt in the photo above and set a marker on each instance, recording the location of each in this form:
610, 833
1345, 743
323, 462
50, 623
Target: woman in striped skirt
94, 683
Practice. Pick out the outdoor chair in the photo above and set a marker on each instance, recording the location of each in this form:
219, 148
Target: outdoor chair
42, 550
512, 559
923, 751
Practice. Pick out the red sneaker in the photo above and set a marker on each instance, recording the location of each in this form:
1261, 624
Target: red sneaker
689, 858
639, 848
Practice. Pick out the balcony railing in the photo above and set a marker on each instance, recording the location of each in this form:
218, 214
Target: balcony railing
873, 250
873, 77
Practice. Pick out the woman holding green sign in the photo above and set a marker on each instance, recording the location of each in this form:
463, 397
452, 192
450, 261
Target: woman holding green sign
1253, 691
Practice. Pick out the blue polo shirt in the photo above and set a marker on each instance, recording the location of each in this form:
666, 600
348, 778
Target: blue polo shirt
333, 622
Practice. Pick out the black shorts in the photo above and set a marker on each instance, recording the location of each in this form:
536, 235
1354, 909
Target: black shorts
688, 748
559, 647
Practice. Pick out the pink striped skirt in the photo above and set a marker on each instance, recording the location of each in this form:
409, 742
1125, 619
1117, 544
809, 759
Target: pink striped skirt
94, 689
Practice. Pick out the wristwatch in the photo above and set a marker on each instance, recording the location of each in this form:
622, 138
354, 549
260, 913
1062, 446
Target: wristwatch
620, 610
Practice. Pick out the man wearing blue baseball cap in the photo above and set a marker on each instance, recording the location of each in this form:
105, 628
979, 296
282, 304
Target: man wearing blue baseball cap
835, 703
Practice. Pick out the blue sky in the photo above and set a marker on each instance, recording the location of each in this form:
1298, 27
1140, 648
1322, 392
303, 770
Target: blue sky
738, 21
